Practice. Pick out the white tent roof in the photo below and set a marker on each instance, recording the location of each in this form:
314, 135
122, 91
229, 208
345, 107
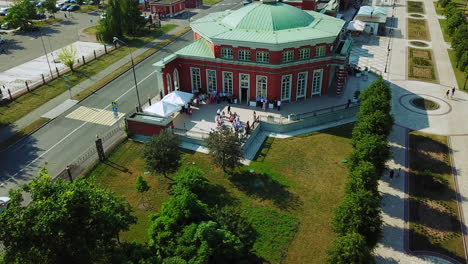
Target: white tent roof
178, 98
372, 11
163, 109
356, 25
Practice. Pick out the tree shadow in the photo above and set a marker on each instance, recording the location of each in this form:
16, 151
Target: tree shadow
264, 149
117, 166
216, 194
9, 46
263, 187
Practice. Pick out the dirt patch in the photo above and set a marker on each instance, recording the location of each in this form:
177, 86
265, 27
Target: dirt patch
422, 73
435, 219
421, 54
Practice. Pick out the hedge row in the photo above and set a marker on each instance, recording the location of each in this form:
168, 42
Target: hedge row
357, 219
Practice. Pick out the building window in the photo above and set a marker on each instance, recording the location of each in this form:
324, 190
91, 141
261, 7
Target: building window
263, 56
288, 55
244, 54
262, 86
320, 51
301, 84
211, 80
169, 82
227, 82
286, 87
196, 79
317, 82
244, 80
226, 53
304, 54
176, 79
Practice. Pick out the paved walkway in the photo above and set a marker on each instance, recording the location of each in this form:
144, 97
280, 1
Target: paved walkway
448, 120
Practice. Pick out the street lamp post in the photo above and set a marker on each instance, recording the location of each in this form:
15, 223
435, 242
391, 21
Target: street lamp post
133, 69
47, 58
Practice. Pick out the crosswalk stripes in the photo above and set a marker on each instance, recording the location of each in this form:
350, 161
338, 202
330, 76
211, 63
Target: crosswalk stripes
95, 115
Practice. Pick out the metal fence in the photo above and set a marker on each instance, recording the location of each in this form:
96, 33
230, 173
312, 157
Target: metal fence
90, 157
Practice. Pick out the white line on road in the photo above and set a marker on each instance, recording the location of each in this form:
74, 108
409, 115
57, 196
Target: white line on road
76, 129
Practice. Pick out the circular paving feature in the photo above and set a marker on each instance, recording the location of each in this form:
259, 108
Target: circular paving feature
419, 44
425, 104
416, 15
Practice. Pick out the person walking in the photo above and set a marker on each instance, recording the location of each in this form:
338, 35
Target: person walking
255, 115
447, 93
279, 105
391, 174
453, 91
264, 104
229, 109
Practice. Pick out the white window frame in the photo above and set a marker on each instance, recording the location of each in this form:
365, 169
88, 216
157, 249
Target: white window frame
286, 83
211, 83
176, 79
227, 53
169, 82
244, 54
229, 82
304, 53
262, 56
317, 80
302, 84
320, 51
259, 90
288, 55
196, 82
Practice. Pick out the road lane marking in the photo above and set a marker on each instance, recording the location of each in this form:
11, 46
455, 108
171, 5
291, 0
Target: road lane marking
95, 115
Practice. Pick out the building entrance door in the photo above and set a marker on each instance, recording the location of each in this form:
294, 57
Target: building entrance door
245, 95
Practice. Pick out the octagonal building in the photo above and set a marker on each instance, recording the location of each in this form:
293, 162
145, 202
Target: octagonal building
265, 49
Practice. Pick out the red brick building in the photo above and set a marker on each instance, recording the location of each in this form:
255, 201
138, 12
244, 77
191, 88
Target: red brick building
270, 50
167, 8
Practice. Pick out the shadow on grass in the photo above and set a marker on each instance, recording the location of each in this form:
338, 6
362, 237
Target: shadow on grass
117, 166
419, 242
216, 194
262, 186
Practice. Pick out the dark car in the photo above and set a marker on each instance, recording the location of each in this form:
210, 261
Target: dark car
65, 7
40, 16
73, 8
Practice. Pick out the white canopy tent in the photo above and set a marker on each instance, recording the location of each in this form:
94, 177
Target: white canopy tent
178, 98
356, 25
163, 109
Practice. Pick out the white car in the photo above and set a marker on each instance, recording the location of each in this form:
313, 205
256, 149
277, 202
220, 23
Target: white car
4, 202
4, 11
4, 26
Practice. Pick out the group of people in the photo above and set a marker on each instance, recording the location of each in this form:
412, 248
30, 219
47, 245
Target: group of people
263, 103
187, 108
233, 118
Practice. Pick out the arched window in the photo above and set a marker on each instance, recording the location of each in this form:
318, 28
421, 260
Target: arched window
169, 82
176, 79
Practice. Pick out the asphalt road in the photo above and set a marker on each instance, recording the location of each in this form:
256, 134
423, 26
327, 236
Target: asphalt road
63, 139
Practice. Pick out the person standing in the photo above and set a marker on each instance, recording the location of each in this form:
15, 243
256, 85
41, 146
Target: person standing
264, 104
391, 174
453, 91
279, 105
229, 109
447, 93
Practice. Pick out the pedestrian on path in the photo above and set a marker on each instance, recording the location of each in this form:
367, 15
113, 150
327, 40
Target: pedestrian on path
391, 174
65, 14
229, 109
398, 174
453, 91
279, 105
447, 93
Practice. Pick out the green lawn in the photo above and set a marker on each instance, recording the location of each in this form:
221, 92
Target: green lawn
434, 217
91, 30
288, 199
87, 8
421, 65
46, 22
459, 75
415, 7
439, 10
210, 2
443, 27
417, 29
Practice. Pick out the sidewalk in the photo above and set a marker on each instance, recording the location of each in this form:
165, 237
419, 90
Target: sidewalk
7, 132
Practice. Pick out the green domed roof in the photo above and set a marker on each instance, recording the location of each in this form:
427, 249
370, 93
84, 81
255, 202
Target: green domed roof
268, 17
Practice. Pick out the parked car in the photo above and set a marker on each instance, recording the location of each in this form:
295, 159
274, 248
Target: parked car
4, 11
246, 2
5, 26
72, 1
4, 203
59, 5
73, 8
65, 7
40, 16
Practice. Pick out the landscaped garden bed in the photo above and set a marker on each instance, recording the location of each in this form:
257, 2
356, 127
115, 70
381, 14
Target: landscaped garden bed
425, 104
417, 29
415, 7
421, 65
287, 193
433, 215
419, 44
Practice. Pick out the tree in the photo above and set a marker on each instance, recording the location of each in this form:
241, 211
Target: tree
64, 223
359, 212
162, 154
189, 178
225, 149
454, 21
377, 123
364, 176
112, 25
372, 148
67, 56
50, 6
133, 19
141, 185
443, 3
350, 249
21, 14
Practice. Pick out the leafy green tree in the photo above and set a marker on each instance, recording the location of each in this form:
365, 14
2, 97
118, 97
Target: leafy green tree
443, 3
50, 6
350, 249
64, 223
162, 154
450, 9
67, 56
189, 178
455, 20
21, 14
372, 148
364, 176
133, 19
377, 123
112, 25
225, 149
359, 212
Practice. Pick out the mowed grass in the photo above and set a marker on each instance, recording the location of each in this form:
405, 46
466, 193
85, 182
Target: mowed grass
459, 75
434, 216
443, 27
417, 29
415, 7
210, 2
287, 193
439, 9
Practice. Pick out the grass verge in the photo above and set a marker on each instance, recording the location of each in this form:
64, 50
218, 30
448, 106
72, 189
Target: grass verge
46, 22
433, 219
417, 29
210, 2
23, 132
439, 10
421, 65
87, 8
443, 27
91, 30
288, 199
459, 75
415, 7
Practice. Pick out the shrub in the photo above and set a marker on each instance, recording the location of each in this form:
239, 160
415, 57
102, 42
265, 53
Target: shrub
372, 148
364, 176
191, 179
350, 249
421, 61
